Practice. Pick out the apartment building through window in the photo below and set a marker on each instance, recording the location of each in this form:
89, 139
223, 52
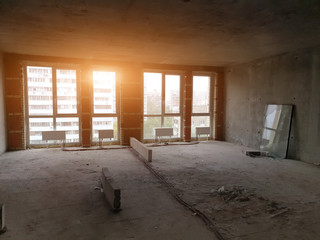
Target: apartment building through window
202, 103
105, 112
162, 103
52, 103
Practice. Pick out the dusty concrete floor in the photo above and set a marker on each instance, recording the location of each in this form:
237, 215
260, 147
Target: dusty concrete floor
263, 198
50, 194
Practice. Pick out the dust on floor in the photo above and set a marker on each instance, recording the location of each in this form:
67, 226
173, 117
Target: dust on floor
246, 198
53, 194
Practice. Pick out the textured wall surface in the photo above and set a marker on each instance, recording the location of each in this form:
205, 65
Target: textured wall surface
3, 142
292, 78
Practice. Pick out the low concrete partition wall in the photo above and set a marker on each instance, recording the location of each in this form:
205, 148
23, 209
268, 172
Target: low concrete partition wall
140, 148
112, 193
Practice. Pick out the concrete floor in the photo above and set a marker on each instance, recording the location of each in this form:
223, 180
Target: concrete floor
50, 194
264, 198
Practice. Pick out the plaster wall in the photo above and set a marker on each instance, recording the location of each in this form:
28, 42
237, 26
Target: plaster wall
292, 78
3, 144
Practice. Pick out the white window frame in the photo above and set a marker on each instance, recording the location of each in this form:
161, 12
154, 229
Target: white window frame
105, 115
211, 114
163, 104
55, 113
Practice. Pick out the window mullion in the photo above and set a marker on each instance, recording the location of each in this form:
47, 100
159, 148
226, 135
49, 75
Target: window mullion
211, 104
54, 96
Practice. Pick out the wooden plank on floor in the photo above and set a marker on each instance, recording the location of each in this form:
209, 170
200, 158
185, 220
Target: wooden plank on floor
112, 193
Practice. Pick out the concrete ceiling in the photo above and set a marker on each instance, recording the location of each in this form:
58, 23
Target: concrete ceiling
189, 32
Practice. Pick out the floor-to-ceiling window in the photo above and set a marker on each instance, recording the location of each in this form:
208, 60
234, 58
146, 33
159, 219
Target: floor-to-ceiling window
52, 102
105, 106
202, 103
162, 103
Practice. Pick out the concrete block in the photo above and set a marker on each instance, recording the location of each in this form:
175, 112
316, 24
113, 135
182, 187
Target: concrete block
112, 193
141, 149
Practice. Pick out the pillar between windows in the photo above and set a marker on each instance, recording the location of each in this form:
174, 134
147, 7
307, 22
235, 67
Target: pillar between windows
86, 106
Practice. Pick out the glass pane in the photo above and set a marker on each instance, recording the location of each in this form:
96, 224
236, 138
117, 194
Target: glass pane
275, 135
104, 92
148, 127
102, 123
36, 126
201, 94
173, 122
172, 93
66, 91
71, 126
199, 121
152, 93
40, 90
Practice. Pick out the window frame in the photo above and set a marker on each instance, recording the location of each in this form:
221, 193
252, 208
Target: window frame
163, 99
55, 114
212, 102
117, 72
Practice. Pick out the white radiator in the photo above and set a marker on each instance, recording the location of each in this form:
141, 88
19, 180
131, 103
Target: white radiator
54, 135
202, 131
105, 133
163, 132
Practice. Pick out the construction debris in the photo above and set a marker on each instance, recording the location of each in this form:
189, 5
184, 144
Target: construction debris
256, 153
237, 193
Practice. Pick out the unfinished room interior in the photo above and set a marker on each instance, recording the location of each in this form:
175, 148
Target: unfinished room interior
159, 119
